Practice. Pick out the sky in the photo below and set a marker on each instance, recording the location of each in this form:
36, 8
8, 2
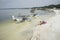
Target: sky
26, 3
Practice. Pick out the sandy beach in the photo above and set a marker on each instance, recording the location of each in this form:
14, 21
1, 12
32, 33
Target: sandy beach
21, 31
14, 31
28, 30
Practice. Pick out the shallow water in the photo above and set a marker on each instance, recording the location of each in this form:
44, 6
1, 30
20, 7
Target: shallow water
6, 14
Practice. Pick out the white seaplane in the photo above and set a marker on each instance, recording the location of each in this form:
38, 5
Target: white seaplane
21, 19
16, 19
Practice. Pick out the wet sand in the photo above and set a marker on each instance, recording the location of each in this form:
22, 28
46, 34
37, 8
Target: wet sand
14, 31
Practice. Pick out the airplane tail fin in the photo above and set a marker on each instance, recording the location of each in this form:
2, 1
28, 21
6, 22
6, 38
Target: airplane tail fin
13, 17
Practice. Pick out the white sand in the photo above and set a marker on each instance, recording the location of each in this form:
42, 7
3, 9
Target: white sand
49, 31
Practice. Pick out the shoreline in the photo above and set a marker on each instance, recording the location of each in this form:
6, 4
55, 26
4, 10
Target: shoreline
11, 31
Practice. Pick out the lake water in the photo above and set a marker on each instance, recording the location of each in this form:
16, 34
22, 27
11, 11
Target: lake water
6, 14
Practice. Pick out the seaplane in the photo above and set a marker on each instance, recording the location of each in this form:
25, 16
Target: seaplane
21, 19
16, 19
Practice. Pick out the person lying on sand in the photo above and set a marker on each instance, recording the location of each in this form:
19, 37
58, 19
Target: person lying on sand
42, 22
